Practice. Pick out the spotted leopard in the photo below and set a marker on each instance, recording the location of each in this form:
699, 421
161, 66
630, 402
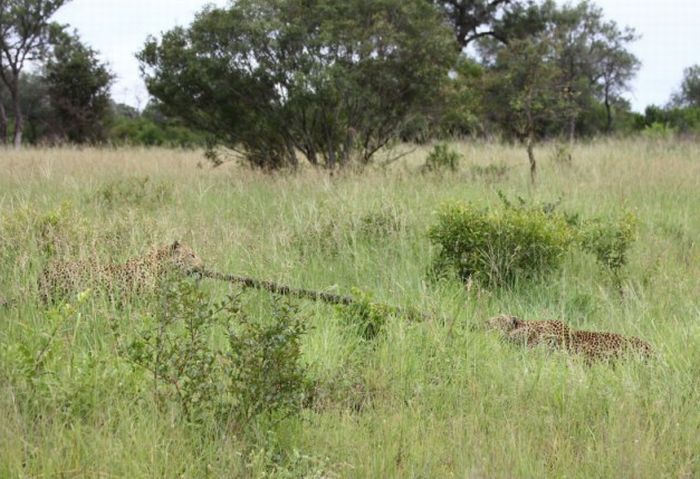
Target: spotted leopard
139, 274
592, 345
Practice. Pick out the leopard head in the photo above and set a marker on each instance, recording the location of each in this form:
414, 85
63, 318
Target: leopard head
184, 257
504, 323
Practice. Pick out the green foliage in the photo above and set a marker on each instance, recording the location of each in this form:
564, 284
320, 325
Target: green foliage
133, 191
24, 37
78, 89
143, 131
442, 158
498, 247
524, 92
216, 361
659, 131
689, 93
49, 371
364, 316
664, 123
609, 242
335, 82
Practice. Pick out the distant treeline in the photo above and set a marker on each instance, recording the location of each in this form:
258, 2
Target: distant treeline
334, 82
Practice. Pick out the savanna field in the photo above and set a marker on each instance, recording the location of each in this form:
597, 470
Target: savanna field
433, 395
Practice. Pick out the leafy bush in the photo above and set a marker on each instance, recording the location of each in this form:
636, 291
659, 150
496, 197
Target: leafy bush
48, 371
609, 242
134, 191
659, 131
364, 316
146, 132
217, 362
498, 247
442, 158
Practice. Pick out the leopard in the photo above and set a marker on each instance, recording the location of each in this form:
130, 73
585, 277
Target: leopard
591, 345
139, 274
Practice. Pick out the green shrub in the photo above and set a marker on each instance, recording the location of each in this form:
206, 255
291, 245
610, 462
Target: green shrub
364, 316
659, 131
49, 371
498, 247
216, 361
442, 158
609, 242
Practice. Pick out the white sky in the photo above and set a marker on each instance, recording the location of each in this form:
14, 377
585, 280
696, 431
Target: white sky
118, 28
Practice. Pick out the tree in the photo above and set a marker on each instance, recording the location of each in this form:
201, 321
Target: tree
78, 89
525, 92
3, 118
467, 17
614, 66
591, 52
689, 93
332, 80
24, 34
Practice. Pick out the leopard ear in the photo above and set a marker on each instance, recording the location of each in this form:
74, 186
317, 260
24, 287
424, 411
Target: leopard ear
175, 245
515, 322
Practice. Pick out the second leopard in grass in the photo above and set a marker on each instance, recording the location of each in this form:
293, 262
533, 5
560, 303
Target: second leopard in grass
592, 345
139, 274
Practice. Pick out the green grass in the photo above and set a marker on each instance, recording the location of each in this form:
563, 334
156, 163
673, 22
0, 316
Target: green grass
434, 398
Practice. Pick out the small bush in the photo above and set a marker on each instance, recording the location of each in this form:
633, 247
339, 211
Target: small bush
48, 371
442, 158
134, 191
609, 242
217, 362
498, 247
659, 131
364, 316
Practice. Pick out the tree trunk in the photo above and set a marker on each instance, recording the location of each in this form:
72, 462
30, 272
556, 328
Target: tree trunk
530, 144
19, 122
608, 111
3, 124
572, 130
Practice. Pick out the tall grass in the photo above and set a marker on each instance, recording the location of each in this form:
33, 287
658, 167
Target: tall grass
433, 398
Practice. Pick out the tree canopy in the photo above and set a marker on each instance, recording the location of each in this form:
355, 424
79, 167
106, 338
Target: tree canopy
333, 80
25, 30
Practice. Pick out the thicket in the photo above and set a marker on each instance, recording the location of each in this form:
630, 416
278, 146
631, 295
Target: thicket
217, 362
523, 242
